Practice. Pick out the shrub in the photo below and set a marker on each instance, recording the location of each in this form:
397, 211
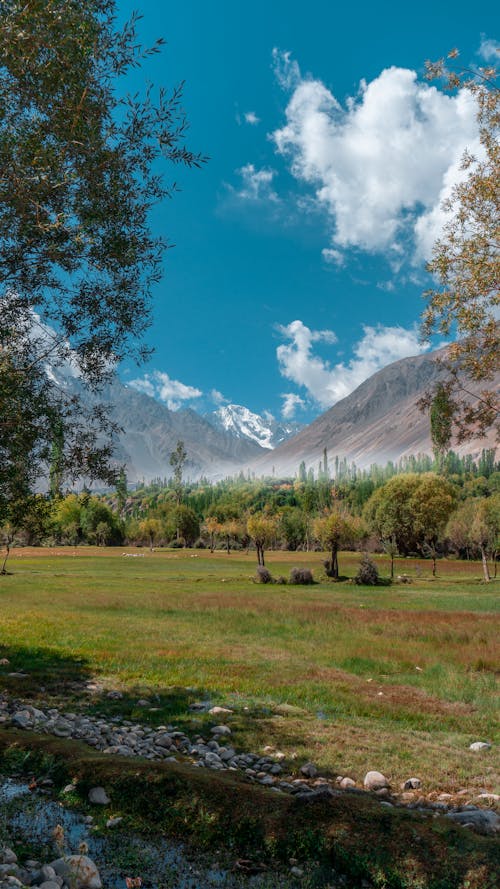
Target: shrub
367, 572
302, 576
281, 579
263, 575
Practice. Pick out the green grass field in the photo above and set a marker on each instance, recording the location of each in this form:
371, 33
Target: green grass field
399, 678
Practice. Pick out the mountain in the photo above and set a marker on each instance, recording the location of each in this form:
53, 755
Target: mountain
240, 422
151, 432
379, 421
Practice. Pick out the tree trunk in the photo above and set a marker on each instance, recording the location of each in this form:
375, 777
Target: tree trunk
486, 573
227, 545
392, 566
7, 551
335, 565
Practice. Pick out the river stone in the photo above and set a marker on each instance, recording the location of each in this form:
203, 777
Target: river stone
344, 783
412, 784
8, 856
375, 781
480, 745
49, 884
482, 820
21, 719
79, 871
308, 770
98, 796
221, 730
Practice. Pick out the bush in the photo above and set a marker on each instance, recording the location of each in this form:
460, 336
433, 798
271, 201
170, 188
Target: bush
281, 579
263, 575
367, 572
200, 544
302, 576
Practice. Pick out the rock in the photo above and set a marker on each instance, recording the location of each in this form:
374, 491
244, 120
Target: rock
375, 781
219, 711
98, 796
4, 661
49, 884
344, 783
412, 784
308, 770
113, 822
488, 797
480, 745
481, 820
8, 856
46, 873
222, 730
296, 872
114, 695
21, 719
143, 702
78, 871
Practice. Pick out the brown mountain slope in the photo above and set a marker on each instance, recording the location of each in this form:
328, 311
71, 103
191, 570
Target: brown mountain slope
379, 421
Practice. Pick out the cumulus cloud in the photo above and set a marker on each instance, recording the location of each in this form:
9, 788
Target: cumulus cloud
251, 118
160, 386
291, 403
489, 50
327, 383
381, 164
217, 397
256, 184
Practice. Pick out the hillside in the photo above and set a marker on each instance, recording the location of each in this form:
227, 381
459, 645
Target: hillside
379, 421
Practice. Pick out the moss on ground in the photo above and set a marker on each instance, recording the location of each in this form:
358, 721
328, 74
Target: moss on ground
392, 848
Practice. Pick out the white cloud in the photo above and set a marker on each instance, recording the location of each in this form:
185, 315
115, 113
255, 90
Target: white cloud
489, 49
380, 165
217, 397
256, 184
333, 256
328, 383
160, 386
251, 118
291, 402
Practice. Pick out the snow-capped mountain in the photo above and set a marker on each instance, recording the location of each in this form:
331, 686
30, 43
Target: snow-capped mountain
240, 422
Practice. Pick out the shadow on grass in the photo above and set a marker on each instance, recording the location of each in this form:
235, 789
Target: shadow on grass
41, 667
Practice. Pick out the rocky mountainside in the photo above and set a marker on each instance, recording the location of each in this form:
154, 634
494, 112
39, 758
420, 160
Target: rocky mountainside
151, 432
379, 421
242, 423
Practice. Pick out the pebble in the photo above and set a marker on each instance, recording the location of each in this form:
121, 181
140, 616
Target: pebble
98, 796
375, 781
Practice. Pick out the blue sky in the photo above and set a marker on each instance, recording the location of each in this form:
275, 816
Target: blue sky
300, 247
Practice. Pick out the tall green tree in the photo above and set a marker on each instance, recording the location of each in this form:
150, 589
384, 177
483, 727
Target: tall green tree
79, 174
466, 262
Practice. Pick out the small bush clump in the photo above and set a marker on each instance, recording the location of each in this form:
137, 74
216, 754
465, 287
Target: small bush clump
302, 576
367, 572
263, 575
281, 579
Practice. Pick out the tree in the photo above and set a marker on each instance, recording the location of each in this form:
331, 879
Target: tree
441, 417
79, 176
150, 530
177, 459
411, 511
334, 531
213, 527
466, 264
485, 530
262, 530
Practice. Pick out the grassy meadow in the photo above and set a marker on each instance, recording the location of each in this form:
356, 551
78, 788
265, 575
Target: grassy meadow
400, 678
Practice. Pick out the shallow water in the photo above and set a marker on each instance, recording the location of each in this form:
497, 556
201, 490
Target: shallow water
162, 864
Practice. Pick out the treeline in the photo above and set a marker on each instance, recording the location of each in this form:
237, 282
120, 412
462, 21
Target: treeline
384, 508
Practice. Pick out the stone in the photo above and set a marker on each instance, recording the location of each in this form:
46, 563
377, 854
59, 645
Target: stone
114, 821
79, 872
49, 884
8, 856
412, 784
219, 711
46, 873
222, 730
375, 781
296, 872
480, 745
483, 821
308, 770
114, 695
21, 719
98, 796
344, 783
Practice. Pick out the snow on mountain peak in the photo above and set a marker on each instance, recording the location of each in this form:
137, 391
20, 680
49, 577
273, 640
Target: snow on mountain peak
241, 422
